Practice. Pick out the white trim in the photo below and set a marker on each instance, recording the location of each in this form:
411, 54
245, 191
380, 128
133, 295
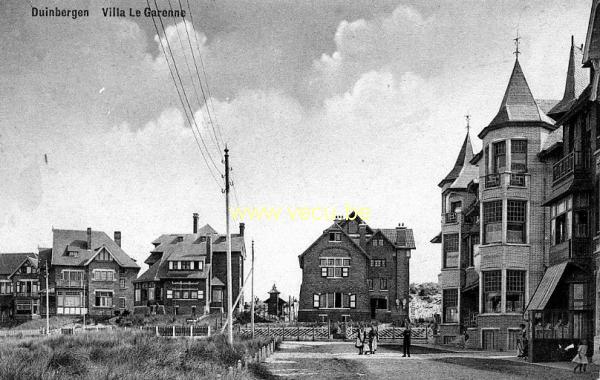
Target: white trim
100, 250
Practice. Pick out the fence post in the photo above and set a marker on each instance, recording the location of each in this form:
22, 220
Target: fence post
173, 330
393, 333
191, 331
282, 332
328, 329
268, 330
157, 334
298, 333
313, 333
208, 330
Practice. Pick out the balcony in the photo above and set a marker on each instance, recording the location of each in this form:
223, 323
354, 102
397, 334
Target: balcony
450, 217
577, 248
69, 283
492, 180
572, 162
517, 179
28, 294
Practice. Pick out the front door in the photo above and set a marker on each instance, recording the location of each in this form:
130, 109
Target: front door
373, 307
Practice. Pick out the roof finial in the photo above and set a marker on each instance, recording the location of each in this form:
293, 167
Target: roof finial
517, 40
468, 118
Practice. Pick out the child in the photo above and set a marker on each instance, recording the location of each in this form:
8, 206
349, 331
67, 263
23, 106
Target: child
581, 357
360, 340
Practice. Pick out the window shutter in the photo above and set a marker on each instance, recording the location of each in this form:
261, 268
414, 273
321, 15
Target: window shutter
344, 272
316, 301
324, 272
353, 301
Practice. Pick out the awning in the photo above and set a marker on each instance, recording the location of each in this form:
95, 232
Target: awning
437, 239
546, 287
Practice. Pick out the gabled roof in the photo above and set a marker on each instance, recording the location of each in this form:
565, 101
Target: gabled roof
576, 81
11, 262
464, 157
336, 227
518, 104
553, 140
76, 240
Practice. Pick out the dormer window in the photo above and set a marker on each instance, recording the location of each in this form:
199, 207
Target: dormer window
73, 253
104, 256
335, 236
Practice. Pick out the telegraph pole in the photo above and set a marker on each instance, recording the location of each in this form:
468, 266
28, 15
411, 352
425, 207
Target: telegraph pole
47, 302
229, 277
252, 292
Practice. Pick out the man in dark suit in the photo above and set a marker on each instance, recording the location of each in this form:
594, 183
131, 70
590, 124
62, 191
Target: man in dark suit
406, 340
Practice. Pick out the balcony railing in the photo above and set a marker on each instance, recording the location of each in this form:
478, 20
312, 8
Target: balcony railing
492, 180
27, 294
450, 217
568, 164
517, 179
69, 283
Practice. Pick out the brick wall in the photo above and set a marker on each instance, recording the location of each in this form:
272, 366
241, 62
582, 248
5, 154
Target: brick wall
219, 270
313, 283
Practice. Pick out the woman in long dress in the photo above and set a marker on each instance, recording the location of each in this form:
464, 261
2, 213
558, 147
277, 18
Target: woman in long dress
581, 359
360, 340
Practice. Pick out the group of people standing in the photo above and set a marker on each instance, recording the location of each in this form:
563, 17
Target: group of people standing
371, 339
363, 338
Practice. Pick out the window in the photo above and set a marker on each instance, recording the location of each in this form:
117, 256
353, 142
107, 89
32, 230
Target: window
186, 265
104, 256
518, 156
383, 284
138, 295
104, 275
217, 295
560, 214
378, 263
73, 253
335, 236
515, 291
200, 265
104, 299
332, 301
577, 302
200, 294
150, 294
378, 242
70, 277
492, 222
580, 223
5, 287
451, 251
455, 205
122, 302
69, 299
334, 267
169, 294
516, 221
499, 158
171, 267
450, 302
352, 301
122, 283
370, 283
492, 286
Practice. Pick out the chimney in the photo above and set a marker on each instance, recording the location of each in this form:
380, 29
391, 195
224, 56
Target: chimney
362, 231
89, 238
400, 235
208, 249
195, 223
242, 228
117, 238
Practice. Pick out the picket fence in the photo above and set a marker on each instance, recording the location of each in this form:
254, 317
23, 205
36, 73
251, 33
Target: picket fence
313, 333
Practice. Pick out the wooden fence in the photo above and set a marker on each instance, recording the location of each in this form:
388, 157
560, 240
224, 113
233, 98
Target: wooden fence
324, 332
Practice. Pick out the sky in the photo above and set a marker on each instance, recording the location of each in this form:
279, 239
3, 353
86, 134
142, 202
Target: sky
322, 104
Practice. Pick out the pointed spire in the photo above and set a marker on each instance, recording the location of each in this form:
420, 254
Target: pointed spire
518, 104
575, 82
464, 156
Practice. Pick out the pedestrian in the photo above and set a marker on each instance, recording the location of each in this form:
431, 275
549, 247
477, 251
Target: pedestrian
466, 337
375, 339
581, 359
360, 340
406, 341
524, 341
371, 337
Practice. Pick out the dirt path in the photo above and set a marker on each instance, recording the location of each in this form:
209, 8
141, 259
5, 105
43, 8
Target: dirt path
333, 360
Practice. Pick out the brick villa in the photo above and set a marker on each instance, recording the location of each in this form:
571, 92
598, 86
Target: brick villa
521, 219
187, 273
353, 272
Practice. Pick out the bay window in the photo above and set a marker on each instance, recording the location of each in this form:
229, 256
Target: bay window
518, 156
492, 222
450, 302
492, 288
450, 250
516, 221
499, 157
561, 214
515, 291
